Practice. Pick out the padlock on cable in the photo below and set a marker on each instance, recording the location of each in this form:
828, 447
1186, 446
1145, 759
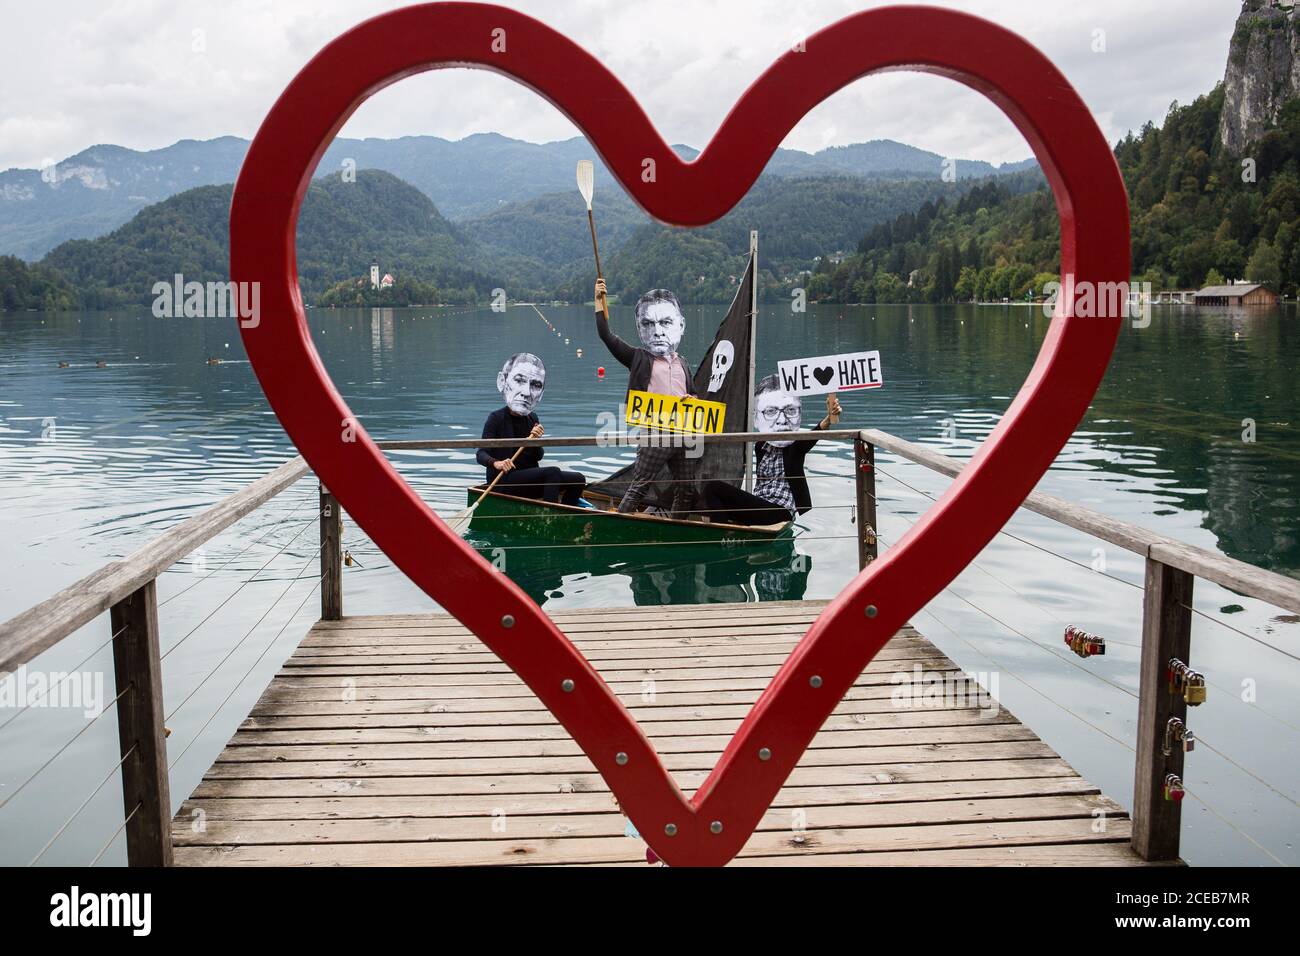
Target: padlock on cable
1174, 791
1178, 732
1083, 643
1175, 672
1194, 689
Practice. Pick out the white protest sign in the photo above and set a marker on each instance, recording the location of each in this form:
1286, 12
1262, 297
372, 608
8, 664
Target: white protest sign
831, 373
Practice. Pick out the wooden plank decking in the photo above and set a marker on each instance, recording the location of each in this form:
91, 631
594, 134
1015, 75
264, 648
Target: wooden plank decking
402, 740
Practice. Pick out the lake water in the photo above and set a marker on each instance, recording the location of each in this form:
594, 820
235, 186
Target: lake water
95, 461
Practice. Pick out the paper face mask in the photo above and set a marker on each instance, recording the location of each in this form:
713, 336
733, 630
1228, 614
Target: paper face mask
659, 322
776, 410
521, 382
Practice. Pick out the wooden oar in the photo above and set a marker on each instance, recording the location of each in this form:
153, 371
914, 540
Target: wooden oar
459, 523
587, 186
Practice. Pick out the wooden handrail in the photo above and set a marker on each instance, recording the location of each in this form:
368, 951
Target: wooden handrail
1276, 589
40, 627
616, 440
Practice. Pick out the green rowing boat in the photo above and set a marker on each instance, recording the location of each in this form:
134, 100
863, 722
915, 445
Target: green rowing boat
541, 521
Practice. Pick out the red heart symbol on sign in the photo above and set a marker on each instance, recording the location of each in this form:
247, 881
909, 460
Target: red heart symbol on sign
710, 828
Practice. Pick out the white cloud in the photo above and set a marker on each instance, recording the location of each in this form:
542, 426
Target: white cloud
129, 73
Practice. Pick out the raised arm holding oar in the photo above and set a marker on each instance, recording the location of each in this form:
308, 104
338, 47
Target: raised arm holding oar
656, 367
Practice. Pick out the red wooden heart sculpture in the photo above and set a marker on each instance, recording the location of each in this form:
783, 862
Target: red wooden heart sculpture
1093, 207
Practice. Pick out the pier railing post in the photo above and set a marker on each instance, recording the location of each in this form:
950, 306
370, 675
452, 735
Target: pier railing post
331, 557
1166, 633
864, 473
137, 665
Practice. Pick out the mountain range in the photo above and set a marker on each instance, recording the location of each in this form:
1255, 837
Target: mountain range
537, 248
103, 187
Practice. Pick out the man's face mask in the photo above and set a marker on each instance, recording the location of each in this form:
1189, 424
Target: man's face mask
522, 387
660, 328
777, 412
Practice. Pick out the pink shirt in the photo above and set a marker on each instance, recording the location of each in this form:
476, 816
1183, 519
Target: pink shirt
668, 377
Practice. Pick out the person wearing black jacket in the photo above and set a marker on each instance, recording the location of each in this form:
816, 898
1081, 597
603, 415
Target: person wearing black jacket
659, 369
521, 382
780, 485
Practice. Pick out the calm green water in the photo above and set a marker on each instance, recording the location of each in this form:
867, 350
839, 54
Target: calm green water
96, 461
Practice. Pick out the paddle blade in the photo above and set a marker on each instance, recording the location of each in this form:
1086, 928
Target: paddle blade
586, 179
459, 522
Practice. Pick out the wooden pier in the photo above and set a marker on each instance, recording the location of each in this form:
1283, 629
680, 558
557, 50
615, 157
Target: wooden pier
401, 740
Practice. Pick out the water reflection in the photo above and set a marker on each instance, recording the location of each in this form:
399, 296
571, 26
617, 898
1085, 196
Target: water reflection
679, 574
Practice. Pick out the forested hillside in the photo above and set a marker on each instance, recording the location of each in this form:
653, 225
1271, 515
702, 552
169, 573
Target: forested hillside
33, 287
1200, 216
344, 226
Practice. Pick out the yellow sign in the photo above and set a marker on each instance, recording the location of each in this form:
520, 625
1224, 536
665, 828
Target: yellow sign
670, 414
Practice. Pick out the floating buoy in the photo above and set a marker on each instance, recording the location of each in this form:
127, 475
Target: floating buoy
566, 341
579, 353
600, 372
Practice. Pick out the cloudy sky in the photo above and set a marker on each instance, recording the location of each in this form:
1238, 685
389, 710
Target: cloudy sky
145, 73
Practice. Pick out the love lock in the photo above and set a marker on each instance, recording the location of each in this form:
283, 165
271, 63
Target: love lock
1083, 643
1173, 790
1178, 732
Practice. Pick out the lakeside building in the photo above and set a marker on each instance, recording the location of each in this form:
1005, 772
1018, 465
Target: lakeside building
1239, 293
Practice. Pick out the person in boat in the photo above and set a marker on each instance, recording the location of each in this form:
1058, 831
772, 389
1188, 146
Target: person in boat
521, 382
655, 367
780, 486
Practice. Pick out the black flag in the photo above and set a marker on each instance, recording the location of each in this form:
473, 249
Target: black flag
723, 376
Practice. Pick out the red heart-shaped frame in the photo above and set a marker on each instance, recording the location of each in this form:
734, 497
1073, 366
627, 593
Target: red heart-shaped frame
1093, 209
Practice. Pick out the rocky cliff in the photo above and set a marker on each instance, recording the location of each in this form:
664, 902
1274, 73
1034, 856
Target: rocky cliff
1263, 71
